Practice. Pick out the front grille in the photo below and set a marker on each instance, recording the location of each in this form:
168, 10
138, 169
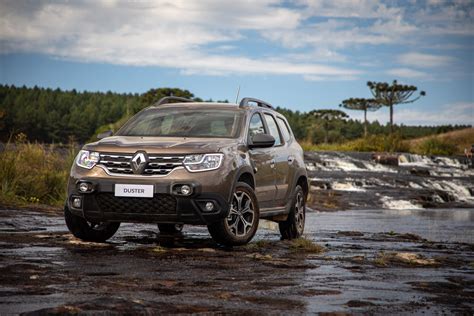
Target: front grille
156, 165
160, 204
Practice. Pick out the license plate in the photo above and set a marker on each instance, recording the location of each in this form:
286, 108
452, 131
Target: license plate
134, 190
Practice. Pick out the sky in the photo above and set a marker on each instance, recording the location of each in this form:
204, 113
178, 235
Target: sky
298, 54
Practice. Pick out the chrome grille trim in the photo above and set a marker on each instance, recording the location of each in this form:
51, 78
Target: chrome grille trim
120, 164
142, 176
166, 157
116, 156
156, 164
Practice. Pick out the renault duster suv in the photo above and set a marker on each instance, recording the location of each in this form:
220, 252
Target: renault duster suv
216, 164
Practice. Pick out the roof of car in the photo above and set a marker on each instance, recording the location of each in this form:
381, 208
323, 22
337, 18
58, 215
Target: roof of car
245, 103
206, 105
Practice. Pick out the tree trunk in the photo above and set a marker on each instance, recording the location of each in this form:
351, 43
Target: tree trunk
365, 123
391, 118
326, 128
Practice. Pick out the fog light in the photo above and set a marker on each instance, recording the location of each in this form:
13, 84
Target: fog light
209, 206
77, 202
83, 187
185, 189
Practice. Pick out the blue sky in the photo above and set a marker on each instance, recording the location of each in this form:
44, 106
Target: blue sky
300, 54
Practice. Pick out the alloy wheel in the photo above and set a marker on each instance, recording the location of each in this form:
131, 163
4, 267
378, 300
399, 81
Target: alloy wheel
299, 212
242, 214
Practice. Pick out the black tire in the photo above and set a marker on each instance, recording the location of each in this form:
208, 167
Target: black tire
87, 231
170, 228
239, 227
293, 227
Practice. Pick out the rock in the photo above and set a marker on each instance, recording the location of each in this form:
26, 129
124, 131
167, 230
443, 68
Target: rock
385, 159
413, 258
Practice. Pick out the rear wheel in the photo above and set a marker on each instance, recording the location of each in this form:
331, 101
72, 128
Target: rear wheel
89, 231
293, 227
170, 228
239, 227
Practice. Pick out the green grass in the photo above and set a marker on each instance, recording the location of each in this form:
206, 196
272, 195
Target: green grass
372, 143
445, 143
381, 259
436, 146
34, 173
305, 245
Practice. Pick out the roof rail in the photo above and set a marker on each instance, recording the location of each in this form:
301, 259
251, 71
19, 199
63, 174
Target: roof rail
169, 99
246, 101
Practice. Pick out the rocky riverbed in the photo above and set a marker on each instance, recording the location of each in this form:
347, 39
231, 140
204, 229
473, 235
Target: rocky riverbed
359, 261
399, 181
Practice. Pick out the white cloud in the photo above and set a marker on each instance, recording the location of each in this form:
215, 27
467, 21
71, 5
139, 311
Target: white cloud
407, 73
206, 36
452, 113
424, 60
348, 8
177, 34
331, 33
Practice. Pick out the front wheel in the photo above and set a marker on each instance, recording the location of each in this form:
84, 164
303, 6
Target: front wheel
239, 227
89, 231
293, 227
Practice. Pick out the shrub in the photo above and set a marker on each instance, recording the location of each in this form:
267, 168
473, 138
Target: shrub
436, 146
34, 173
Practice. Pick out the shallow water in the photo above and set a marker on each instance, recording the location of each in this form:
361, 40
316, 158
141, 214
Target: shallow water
453, 225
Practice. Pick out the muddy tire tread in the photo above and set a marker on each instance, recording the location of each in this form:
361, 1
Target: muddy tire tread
80, 229
288, 229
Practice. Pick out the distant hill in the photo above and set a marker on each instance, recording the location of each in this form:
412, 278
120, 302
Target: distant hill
463, 138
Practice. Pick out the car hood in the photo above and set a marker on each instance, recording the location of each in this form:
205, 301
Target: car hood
160, 145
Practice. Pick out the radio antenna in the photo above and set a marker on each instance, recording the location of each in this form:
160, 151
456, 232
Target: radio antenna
238, 92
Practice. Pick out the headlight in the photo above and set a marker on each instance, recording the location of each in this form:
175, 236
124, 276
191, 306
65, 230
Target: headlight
87, 159
203, 162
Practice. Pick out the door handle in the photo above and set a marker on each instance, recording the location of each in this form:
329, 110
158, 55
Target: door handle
272, 163
291, 159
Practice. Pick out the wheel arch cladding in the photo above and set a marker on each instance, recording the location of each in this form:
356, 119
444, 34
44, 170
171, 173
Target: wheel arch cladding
303, 182
247, 177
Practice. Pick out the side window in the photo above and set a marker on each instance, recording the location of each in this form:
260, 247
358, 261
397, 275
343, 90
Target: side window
284, 130
272, 126
256, 125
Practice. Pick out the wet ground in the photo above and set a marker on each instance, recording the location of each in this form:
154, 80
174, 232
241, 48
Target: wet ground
376, 261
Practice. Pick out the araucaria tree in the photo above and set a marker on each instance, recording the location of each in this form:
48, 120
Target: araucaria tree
361, 105
327, 116
393, 94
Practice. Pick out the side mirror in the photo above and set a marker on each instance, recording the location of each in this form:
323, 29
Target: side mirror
104, 134
262, 141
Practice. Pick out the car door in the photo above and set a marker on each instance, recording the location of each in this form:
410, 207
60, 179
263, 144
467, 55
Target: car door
263, 165
291, 152
281, 153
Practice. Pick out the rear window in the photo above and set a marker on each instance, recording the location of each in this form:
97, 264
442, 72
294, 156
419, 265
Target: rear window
272, 126
284, 129
178, 122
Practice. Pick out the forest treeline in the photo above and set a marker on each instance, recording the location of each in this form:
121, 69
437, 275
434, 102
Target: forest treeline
57, 116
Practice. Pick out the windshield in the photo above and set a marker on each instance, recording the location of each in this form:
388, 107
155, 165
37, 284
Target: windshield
175, 122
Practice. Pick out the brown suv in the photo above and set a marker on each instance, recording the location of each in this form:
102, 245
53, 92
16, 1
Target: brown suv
216, 164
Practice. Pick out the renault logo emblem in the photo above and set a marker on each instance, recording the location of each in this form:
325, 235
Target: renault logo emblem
139, 162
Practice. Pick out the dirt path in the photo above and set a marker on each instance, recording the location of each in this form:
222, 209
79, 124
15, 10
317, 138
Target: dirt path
44, 270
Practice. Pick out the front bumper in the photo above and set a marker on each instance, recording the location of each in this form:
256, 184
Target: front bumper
166, 206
